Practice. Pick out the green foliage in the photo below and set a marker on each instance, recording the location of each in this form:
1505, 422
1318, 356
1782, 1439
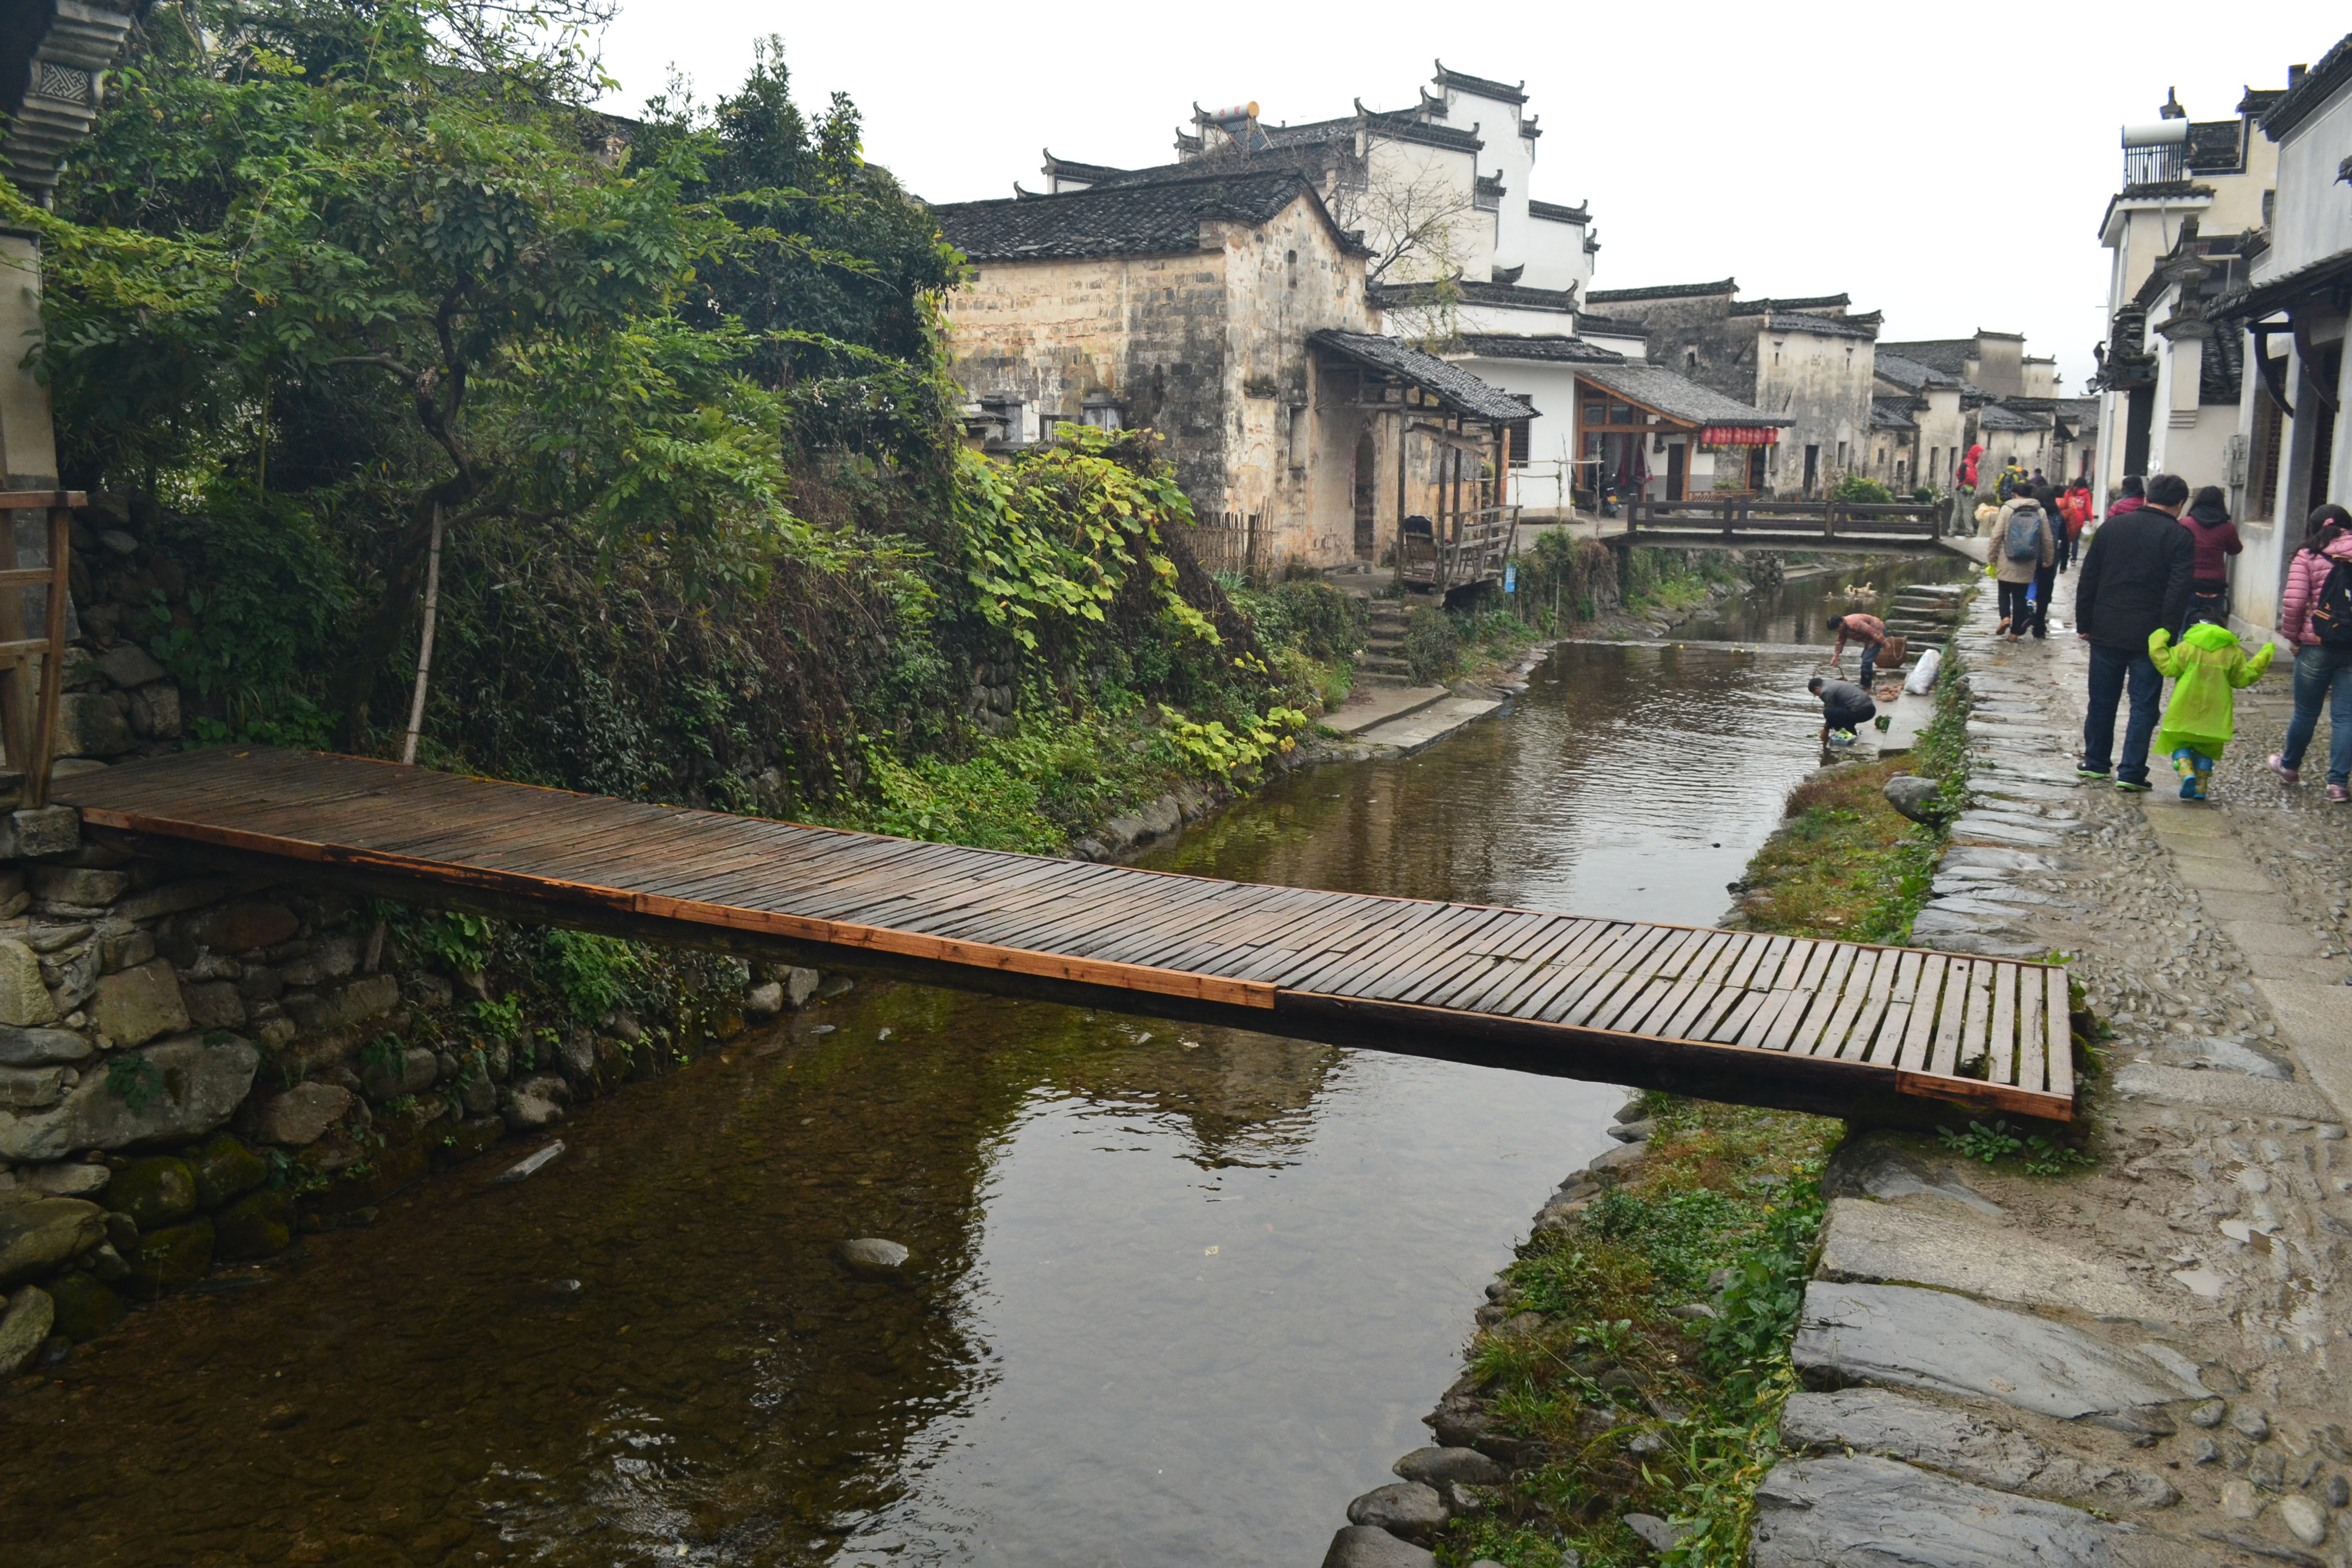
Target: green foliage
1314, 617
454, 940
498, 1020
592, 973
385, 1055
2039, 1155
1051, 537
1213, 750
1926, 495
1433, 644
135, 1079
1682, 1234
1862, 488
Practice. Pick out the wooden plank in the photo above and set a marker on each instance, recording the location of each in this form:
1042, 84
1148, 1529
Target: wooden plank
1663, 961
1785, 983
1466, 961
1531, 993
1714, 991
1486, 994
1366, 961
1666, 995
2059, 1024
1817, 990
2001, 1065
1976, 1035
1855, 1046
1951, 1015
1611, 972
2029, 1072
1919, 1030
1824, 1038
1495, 950
1431, 948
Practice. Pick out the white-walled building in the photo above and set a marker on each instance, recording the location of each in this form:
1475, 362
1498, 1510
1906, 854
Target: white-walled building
2287, 319
2194, 194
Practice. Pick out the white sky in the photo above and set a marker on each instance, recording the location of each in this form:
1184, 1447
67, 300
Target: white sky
1803, 149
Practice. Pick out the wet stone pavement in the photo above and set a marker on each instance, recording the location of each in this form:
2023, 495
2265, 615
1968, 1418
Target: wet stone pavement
2145, 1361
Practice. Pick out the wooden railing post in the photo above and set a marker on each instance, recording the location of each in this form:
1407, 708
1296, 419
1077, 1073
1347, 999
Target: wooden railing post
29, 721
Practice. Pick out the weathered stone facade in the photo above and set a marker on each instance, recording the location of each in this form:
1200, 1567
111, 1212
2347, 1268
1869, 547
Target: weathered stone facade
1806, 359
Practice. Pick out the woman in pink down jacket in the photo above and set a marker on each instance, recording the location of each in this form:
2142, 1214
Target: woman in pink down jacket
2323, 668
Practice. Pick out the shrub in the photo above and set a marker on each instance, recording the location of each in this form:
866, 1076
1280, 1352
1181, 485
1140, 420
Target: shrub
1431, 645
1863, 489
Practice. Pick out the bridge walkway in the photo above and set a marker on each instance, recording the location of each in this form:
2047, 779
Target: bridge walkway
1834, 1028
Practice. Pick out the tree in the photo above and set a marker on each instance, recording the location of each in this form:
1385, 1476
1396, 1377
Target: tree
340, 219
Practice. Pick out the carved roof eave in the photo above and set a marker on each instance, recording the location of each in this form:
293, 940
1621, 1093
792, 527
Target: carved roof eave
64, 88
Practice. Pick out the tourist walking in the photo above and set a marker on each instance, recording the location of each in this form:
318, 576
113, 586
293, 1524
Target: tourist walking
2133, 496
2134, 579
1845, 709
2315, 618
1868, 631
2046, 577
2208, 522
2074, 511
2025, 551
2206, 668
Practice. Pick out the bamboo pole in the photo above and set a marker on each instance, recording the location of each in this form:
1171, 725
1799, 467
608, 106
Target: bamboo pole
425, 640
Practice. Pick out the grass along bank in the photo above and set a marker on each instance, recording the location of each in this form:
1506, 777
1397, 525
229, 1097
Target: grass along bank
1636, 1361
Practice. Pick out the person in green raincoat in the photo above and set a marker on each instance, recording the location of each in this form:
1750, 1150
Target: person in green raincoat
2205, 667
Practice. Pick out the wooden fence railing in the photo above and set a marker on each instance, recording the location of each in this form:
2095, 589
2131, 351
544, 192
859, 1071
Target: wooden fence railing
1462, 550
1762, 518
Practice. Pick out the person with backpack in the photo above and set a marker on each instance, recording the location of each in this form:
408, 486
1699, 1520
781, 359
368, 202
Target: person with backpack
2315, 618
2135, 579
2045, 578
2206, 666
2024, 546
2208, 522
1969, 468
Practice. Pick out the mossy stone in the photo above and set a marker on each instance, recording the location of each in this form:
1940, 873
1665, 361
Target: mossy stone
170, 1257
227, 1169
153, 1191
258, 1224
86, 1307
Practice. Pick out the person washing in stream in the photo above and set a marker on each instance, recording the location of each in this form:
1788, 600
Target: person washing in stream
1867, 630
2206, 665
1845, 709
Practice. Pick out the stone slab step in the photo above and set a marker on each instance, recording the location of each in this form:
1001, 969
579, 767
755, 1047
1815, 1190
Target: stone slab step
1380, 664
1429, 725
1377, 705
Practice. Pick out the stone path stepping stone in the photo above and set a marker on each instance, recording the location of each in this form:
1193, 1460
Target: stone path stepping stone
1894, 1335
1891, 1425
1862, 1240
1878, 1513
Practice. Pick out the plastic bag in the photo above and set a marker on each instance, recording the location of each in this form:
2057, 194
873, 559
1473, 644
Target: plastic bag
1923, 674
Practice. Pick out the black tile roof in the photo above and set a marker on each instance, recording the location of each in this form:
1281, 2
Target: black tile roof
1116, 220
1552, 212
1460, 390
1612, 326
2319, 84
1822, 326
1507, 296
1677, 397
2214, 146
2258, 99
1556, 347
1948, 356
1904, 370
1664, 291
1997, 416
1816, 302
1069, 168
1485, 87
1892, 413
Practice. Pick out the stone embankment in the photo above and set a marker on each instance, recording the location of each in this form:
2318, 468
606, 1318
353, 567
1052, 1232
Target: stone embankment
196, 1067
2009, 1353
2142, 1361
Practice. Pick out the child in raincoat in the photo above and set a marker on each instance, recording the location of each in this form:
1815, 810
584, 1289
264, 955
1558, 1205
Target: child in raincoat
2206, 666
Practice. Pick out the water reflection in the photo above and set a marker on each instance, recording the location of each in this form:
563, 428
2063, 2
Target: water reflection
1178, 1293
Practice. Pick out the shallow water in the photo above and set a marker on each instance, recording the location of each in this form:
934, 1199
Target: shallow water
1178, 1294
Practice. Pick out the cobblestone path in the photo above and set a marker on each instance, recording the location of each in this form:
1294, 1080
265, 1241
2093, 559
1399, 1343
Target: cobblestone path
2146, 1362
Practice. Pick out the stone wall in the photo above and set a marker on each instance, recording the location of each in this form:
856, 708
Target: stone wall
196, 1067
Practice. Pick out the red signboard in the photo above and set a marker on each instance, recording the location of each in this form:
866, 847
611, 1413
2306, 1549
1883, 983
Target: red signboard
1740, 435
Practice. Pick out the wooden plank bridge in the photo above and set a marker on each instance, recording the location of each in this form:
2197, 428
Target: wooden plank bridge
1759, 522
1835, 1028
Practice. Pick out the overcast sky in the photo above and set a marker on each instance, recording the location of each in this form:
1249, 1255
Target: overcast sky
1803, 149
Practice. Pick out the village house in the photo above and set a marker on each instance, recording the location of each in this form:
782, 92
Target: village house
1227, 310
1987, 390
1806, 363
2192, 193
2287, 319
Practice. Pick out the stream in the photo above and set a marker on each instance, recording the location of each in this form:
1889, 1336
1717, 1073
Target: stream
1177, 1294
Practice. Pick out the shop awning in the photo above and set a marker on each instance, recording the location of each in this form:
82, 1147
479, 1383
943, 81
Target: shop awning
1738, 435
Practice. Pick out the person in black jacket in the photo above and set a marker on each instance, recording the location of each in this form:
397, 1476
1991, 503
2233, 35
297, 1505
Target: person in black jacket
2134, 579
2046, 577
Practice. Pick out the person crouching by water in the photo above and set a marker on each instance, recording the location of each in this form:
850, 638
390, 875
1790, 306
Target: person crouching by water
1868, 631
2207, 665
1845, 707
